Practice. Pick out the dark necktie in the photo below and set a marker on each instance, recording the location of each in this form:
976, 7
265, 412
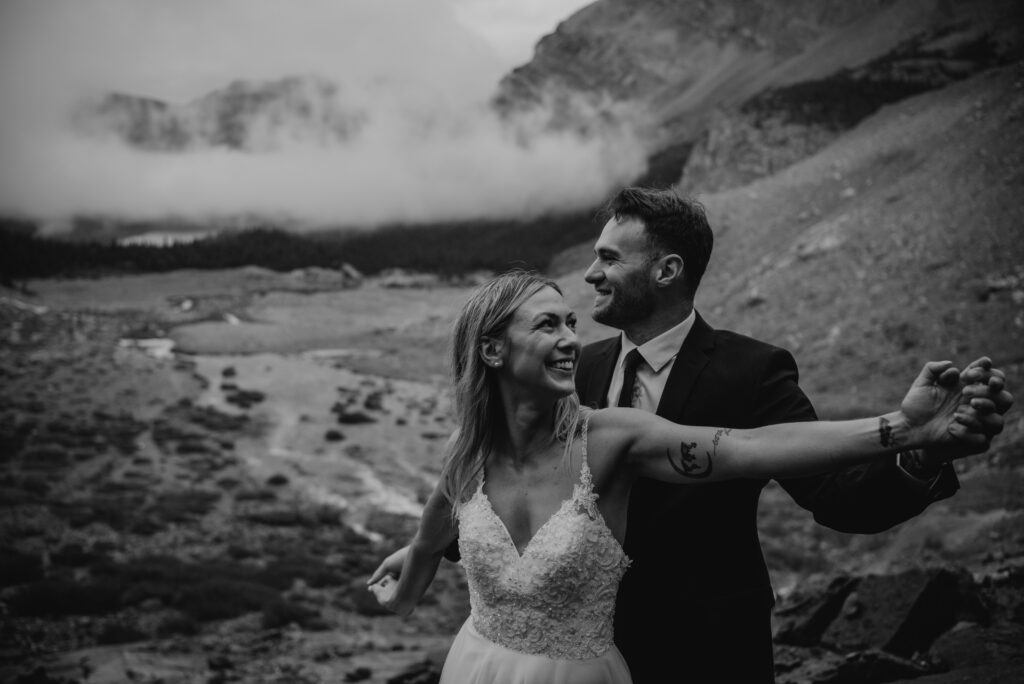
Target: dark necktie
633, 359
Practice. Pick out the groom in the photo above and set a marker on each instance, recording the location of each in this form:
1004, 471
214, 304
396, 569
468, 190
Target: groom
697, 598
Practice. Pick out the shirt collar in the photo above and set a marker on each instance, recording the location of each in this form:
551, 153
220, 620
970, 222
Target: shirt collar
658, 351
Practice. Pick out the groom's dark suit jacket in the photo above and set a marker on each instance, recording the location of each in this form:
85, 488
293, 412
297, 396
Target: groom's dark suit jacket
695, 605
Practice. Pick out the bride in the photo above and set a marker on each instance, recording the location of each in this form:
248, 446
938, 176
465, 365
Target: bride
536, 488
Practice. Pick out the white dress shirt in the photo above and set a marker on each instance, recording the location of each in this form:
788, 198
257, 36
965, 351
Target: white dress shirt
659, 354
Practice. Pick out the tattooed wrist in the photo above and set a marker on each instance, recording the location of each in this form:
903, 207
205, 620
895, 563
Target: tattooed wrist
886, 433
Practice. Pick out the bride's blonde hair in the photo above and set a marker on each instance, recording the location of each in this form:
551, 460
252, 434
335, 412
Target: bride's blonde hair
478, 409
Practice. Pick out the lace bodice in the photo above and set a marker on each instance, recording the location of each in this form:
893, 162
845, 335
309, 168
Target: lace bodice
557, 598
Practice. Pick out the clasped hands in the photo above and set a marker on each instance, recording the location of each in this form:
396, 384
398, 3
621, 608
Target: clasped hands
956, 413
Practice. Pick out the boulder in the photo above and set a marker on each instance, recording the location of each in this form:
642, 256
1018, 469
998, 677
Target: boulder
901, 614
816, 666
970, 644
805, 614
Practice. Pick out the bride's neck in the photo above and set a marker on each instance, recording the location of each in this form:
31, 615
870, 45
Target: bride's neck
530, 428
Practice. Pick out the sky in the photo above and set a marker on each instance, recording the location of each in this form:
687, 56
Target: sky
420, 70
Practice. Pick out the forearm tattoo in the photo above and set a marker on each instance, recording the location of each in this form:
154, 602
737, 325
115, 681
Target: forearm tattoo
691, 465
885, 433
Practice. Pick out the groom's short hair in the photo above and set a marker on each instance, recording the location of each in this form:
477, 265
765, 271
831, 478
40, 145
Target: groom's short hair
673, 224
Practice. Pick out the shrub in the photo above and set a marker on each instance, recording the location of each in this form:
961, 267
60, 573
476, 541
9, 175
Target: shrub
19, 568
220, 599
281, 613
185, 505
54, 597
44, 456
35, 484
75, 556
120, 633
282, 572
177, 623
256, 495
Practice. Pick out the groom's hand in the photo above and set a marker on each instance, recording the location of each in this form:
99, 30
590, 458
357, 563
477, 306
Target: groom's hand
931, 402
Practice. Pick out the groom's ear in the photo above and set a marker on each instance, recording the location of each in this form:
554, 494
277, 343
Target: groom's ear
492, 351
668, 270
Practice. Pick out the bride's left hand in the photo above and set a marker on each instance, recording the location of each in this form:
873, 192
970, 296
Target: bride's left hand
984, 403
386, 590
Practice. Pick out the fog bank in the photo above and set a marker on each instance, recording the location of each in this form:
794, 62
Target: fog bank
430, 148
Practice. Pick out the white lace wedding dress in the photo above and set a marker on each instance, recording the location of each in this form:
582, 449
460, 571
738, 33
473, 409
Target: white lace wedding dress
543, 617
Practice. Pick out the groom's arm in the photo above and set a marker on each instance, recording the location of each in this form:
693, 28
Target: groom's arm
866, 498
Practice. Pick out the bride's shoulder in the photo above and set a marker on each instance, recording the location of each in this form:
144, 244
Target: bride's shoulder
611, 429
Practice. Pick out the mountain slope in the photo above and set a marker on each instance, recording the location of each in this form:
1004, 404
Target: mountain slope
675, 63
897, 243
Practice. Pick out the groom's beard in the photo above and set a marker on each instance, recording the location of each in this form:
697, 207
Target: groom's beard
628, 303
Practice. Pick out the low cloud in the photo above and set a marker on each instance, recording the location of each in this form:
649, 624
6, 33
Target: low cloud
430, 148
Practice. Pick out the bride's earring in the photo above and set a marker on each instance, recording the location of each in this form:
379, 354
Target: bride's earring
490, 352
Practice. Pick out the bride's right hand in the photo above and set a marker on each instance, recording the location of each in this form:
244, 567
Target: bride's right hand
392, 565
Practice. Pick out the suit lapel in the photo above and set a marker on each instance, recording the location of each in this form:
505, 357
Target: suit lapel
692, 358
598, 372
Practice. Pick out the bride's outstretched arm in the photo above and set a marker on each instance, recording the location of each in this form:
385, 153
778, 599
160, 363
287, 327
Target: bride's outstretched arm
936, 410
421, 558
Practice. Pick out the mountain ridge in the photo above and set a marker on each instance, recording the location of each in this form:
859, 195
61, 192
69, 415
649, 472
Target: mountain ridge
250, 116
717, 55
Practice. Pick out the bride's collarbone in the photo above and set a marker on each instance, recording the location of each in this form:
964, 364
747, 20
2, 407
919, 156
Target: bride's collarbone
536, 464
528, 491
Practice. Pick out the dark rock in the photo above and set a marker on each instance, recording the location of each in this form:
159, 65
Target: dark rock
19, 568
74, 555
1001, 673
219, 663
806, 614
901, 614
360, 674
346, 417
242, 398
374, 401
817, 666
280, 517
874, 666
282, 613
424, 672
970, 644
1003, 594
333, 436
40, 676
120, 632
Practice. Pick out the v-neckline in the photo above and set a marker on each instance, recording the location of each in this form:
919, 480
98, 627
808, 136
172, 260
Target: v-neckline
504, 527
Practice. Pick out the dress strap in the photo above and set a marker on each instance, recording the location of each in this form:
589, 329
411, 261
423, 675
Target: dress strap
585, 478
